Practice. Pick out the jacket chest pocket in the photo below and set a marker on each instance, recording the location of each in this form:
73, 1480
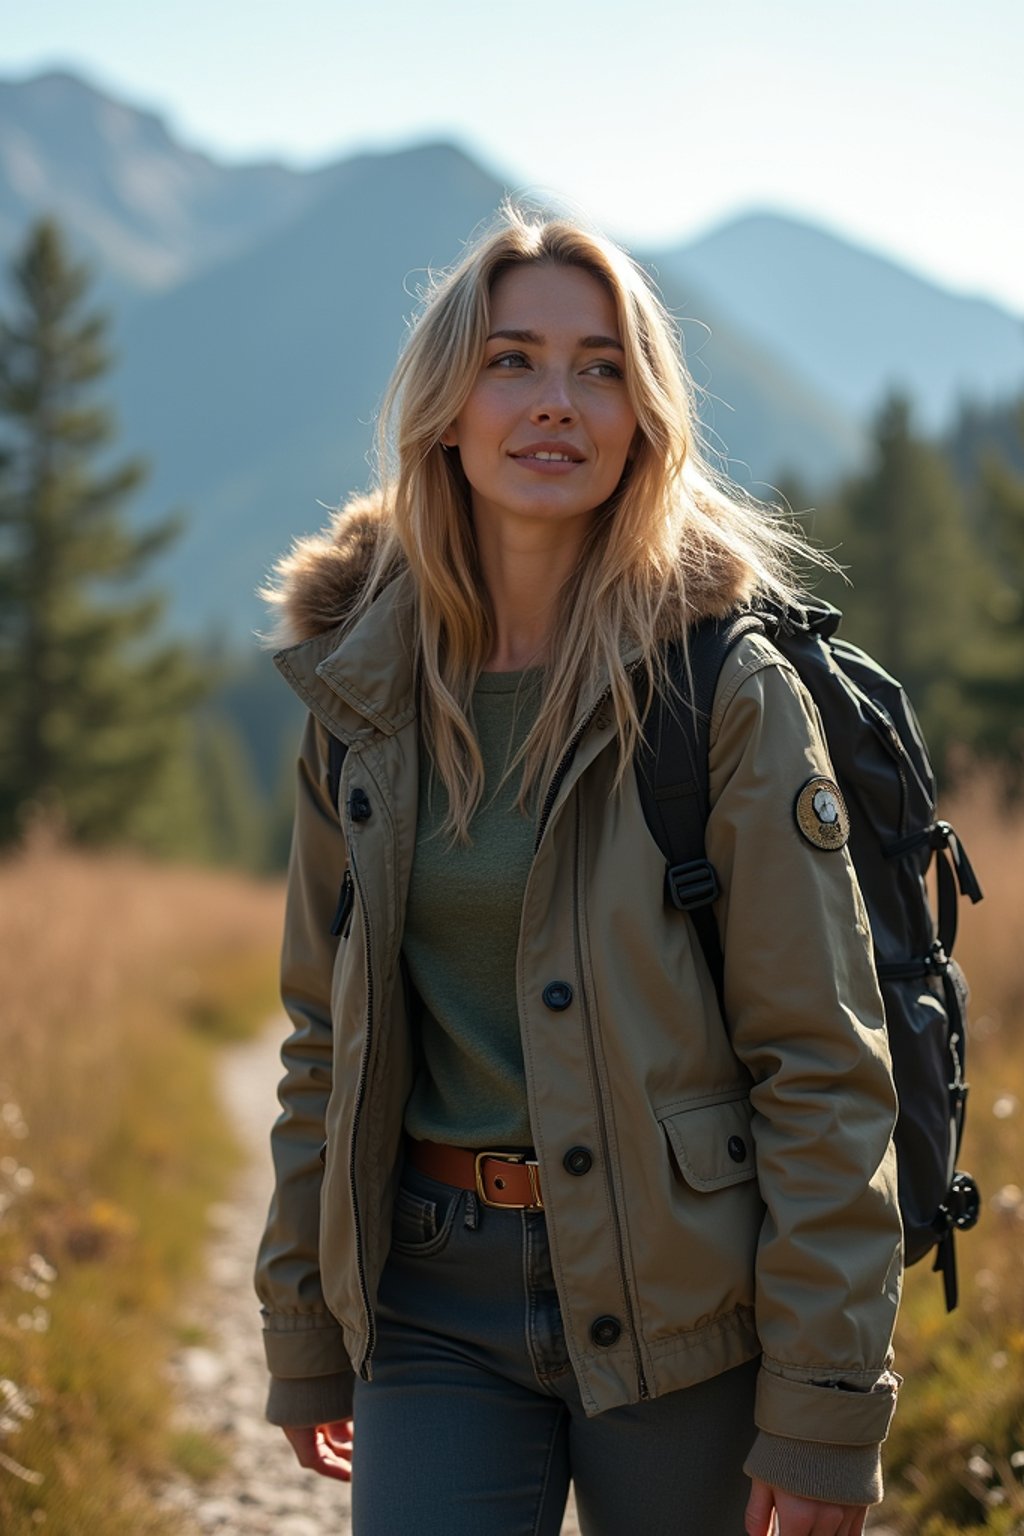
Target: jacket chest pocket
712, 1144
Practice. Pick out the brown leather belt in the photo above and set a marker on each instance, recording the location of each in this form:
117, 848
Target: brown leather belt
507, 1179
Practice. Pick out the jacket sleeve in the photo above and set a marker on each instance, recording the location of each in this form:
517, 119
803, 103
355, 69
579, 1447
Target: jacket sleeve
806, 1018
312, 1375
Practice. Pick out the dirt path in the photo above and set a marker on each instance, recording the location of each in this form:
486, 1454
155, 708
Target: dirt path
220, 1386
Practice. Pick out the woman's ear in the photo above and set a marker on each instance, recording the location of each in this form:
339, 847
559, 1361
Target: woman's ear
450, 438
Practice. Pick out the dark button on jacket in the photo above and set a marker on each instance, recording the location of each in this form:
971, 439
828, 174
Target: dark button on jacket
557, 995
359, 805
606, 1331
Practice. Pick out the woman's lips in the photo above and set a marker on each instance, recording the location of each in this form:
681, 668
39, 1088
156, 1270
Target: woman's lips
546, 466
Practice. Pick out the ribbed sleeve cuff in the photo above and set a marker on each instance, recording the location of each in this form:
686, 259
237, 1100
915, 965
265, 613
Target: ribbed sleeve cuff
813, 1469
302, 1400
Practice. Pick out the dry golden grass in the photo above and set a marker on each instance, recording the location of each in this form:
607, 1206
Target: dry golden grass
119, 977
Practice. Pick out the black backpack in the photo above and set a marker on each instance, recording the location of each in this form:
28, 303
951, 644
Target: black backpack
882, 768
883, 771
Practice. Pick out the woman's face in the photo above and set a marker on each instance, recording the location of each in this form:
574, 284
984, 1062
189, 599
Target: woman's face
547, 427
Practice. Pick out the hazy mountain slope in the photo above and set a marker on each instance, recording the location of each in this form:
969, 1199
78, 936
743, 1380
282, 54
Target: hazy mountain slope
851, 321
147, 211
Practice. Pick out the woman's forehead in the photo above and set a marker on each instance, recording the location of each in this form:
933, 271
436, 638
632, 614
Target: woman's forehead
542, 297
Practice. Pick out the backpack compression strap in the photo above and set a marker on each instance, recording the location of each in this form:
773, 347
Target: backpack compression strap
672, 776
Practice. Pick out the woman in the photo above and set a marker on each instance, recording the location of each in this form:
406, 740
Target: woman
541, 1213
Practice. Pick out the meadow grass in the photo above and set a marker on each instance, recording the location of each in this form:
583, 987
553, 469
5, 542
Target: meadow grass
120, 980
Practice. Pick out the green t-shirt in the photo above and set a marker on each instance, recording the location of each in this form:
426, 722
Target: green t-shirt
462, 934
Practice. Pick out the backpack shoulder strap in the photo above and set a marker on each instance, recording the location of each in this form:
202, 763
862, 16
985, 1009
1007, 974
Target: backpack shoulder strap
672, 775
336, 750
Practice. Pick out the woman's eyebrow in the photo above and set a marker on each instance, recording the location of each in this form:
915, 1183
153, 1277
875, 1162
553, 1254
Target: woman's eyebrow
586, 343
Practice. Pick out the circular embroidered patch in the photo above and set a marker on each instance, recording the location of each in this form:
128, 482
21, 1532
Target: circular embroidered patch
821, 814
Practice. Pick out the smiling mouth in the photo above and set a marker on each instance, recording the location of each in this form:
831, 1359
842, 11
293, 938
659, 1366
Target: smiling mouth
548, 458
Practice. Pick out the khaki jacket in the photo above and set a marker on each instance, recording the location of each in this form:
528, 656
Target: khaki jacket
741, 1200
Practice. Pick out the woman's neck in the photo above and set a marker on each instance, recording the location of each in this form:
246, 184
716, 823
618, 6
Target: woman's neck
524, 571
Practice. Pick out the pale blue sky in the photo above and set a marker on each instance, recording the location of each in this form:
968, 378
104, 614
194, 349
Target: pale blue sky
899, 123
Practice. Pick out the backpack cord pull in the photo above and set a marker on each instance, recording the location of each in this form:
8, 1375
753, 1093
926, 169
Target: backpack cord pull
943, 837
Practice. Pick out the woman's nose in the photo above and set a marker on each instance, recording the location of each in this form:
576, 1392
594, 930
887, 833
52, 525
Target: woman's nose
553, 400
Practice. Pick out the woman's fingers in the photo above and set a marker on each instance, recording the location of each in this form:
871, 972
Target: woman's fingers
794, 1516
758, 1518
324, 1448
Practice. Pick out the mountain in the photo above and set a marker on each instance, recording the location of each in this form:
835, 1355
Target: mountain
258, 312
146, 211
851, 322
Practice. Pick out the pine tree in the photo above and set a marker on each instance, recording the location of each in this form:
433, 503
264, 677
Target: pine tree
997, 661
917, 580
93, 706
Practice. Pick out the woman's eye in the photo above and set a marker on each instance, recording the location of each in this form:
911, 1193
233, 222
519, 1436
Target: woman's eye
605, 370
509, 360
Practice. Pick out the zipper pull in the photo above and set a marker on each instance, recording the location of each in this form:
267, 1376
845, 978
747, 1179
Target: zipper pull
342, 922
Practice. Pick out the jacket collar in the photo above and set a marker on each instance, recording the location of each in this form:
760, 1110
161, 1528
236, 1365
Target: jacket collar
361, 679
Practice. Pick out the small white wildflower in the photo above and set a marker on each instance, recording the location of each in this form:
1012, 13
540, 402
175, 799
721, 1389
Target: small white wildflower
979, 1466
42, 1267
8, 1166
24, 1178
1005, 1106
10, 1112
15, 1406
1017, 1460
1006, 1199
36, 1321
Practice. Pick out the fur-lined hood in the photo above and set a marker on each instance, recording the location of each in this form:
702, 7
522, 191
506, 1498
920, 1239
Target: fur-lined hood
316, 583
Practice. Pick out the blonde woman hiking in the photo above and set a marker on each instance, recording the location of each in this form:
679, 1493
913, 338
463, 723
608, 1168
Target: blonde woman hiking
542, 1212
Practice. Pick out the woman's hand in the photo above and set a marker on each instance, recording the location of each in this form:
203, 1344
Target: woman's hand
326, 1448
799, 1517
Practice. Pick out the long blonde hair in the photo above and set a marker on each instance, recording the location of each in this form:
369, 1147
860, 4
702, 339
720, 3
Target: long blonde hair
673, 526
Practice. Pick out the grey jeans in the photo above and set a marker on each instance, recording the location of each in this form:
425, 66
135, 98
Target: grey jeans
473, 1425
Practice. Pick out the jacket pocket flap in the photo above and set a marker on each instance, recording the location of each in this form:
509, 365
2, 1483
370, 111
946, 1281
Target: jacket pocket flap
713, 1144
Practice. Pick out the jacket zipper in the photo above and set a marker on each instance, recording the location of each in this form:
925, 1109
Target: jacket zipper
564, 765
364, 1067
342, 923
588, 1031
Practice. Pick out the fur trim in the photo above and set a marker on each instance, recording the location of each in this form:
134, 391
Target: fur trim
314, 585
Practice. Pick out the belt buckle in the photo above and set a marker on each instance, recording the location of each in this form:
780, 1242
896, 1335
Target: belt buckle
518, 1158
